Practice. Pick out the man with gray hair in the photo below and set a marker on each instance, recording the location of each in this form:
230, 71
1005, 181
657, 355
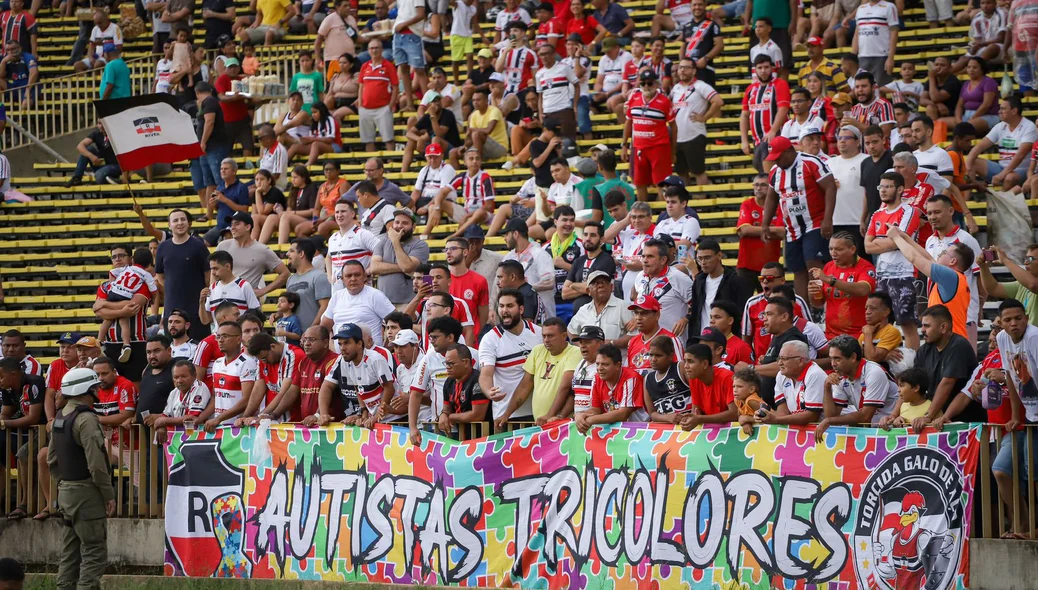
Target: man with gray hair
916, 190
858, 391
630, 233
274, 156
798, 388
230, 197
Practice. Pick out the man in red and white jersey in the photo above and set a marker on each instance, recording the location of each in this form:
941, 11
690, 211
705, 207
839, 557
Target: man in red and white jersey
502, 352
628, 236
861, 390
607, 93
349, 242
680, 15
208, 350
765, 107
917, 189
278, 363
651, 132
804, 186
647, 323
363, 379
558, 89
551, 31
131, 306
434, 300
67, 360
226, 287
517, 62
116, 401
754, 331
617, 394
468, 200
13, 346
871, 108
234, 376
939, 213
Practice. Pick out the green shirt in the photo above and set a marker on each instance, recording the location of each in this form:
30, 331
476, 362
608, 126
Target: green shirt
118, 75
599, 193
1015, 290
311, 86
776, 10
584, 190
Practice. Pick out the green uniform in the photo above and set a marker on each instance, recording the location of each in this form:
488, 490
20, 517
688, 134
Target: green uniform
600, 190
83, 493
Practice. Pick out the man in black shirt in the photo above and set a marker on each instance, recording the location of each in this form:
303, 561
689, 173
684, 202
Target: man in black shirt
463, 398
22, 398
949, 360
437, 125
219, 16
212, 137
96, 151
544, 149
511, 275
594, 258
778, 320
157, 379
879, 161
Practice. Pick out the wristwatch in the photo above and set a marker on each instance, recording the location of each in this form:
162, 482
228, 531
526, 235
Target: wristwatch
832, 281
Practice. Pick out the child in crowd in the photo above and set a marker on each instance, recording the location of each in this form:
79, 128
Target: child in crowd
250, 64
122, 287
766, 46
182, 55
912, 385
905, 90
902, 117
286, 324
746, 390
465, 20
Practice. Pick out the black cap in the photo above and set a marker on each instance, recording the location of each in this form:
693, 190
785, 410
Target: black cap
516, 24
474, 232
710, 335
648, 76
238, 216
590, 332
576, 38
672, 180
546, 6
204, 86
519, 225
666, 239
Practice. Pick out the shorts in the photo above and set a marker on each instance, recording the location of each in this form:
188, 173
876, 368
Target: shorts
877, 65
258, 36
241, 132
1003, 462
990, 119
408, 50
492, 150
566, 119
1024, 66
457, 212
902, 292
521, 212
733, 9
651, 165
825, 13
996, 167
461, 47
133, 369
435, 51
16, 438
372, 119
810, 246
691, 156
297, 25
938, 10
33, 441
349, 103
94, 62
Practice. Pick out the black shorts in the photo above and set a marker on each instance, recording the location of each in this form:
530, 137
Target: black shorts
691, 156
241, 132
138, 359
810, 246
516, 116
707, 75
435, 51
349, 103
781, 38
902, 292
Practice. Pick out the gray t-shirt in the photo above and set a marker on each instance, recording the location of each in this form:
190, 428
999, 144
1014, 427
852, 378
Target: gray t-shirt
251, 262
397, 286
311, 286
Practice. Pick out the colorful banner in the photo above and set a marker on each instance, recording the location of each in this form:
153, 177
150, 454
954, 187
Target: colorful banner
627, 506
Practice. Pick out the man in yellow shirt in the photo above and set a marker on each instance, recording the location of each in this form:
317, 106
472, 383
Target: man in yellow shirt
488, 132
548, 372
878, 335
835, 79
268, 27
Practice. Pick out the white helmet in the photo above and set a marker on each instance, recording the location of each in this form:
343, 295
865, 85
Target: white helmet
79, 382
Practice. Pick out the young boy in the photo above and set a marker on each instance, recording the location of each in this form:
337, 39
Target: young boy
767, 46
250, 64
127, 283
474, 188
912, 384
677, 223
905, 90
746, 390
464, 22
963, 136
901, 119
225, 287
287, 327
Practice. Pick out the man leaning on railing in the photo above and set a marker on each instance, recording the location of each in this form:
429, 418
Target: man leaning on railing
22, 395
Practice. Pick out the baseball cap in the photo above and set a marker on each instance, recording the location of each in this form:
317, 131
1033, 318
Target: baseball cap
850, 129
576, 38
590, 332
405, 211
349, 331
405, 337
648, 76
546, 6
710, 335
841, 98
69, 338
485, 53
598, 274
646, 302
496, 77
430, 95
815, 41
610, 42
519, 225
473, 232
586, 167
108, 47
433, 149
599, 147
672, 180
89, 342
808, 131
238, 216
777, 145
231, 61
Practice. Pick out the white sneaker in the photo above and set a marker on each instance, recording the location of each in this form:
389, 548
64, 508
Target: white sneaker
508, 165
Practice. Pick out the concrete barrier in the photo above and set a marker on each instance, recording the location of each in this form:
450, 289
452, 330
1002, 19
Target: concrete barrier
1003, 565
130, 542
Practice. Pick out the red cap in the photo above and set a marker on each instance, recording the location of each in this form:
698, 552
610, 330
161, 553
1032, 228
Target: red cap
646, 302
778, 145
816, 41
433, 149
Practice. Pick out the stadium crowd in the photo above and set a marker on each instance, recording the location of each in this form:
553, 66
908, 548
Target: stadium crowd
600, 310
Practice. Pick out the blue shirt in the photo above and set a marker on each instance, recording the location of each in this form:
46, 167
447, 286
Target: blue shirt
118, 75
290, 324
237, 192
946, 279
614, 18
18, 71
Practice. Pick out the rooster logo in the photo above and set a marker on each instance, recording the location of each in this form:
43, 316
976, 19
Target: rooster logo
905, 552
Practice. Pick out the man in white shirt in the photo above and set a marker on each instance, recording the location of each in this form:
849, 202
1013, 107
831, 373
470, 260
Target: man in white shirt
558, 91
357, 303
799, 388
427, 387
934, 159
695, 102
858, 391
502, 353
876, 40
683, 228
850, 195
946, 232
609, 79
234, 375
350, 242
668, 285
540, 269
435, 175
1014, 136
800, 107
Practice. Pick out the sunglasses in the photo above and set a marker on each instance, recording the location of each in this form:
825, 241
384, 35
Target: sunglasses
647, 83
766, 279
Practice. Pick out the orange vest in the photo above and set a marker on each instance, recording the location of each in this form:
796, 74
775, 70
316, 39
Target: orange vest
958, 305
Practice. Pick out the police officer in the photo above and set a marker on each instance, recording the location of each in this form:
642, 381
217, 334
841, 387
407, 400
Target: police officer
77, 458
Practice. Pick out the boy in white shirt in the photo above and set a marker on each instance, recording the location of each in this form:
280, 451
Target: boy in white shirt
225, 287
767, 46
905, 90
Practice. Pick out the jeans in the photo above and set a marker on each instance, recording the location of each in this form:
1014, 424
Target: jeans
100, 172
584, 114
205, 171
79, 49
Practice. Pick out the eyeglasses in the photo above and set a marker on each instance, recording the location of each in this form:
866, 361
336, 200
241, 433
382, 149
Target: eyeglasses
451, 248
118, 256
647, 83
1029, 259
436, 304
765, 279
789, 358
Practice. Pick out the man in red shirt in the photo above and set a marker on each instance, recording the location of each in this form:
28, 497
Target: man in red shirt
651, 132
467, 285
916, 192
710, 388
754, 331
235, 107
551, 30
207, 351
843, 285
116, 402
765, 107
301, 399
753, 253
616, 395
647, 322
278, 365
378, 97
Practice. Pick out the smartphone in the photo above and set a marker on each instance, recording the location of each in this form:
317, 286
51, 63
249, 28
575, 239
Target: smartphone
989, 256
682, 251
427, 280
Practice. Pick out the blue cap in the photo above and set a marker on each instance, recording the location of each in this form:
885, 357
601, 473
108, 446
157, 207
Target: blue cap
473, 232
69, 338
349, 331
108, 47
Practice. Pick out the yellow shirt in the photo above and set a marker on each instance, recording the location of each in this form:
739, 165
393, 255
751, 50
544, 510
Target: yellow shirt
273, 11
835, 80
547, 371
887, 338
910, 412
480, 120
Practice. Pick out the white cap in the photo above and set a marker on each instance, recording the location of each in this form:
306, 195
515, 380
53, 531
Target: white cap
806, 131
497, 77
405, 337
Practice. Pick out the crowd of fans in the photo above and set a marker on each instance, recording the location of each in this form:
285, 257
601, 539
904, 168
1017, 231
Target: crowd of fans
600, 310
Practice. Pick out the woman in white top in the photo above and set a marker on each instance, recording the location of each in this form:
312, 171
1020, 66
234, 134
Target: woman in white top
295, 125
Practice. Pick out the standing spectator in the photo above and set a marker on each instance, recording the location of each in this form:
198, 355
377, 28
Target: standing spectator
842, 286
213, 138
695, 102
307, 82
939, 214
156, 382
19, 25
308, 282
875, 41
713, 281
547, 374
850, 196
650, 122
871, 109
134, 309
895, 275
558, 90
671, 287
872, 168
1014, 137
408, 52
660, 64
397, 256
702, 42
942, 90
804, 186
540, 270
251, 258
617, 394
831, 74
646, 310
765, 107
218, 20
335, 35
939, 13
466, 284
753, 252
676, 223
465, 20
235, 107
375, 172
500, 351
357, 303
1024, 28
182, 261
482, 262
783, 18
949, 360
350, 242
802, 122
614, 19
511, 13
762, 29
378, 97
581, 64
518, 64
231, 196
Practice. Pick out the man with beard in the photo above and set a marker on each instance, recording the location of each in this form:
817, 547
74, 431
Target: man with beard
396, 256
234, 376
178, 328
300, 400
595, 258
426, 398
666, 284
589, 340
510, 276
502, 352
183, 260
871, 108
537, 264
858, 391
308, 282
157, 379
465, 284
483, 262
278, 365
646, 310
703, 42
463, 399
363, 378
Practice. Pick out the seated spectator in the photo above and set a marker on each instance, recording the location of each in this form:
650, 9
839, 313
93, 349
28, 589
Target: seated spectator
378, 213
269, 203
324, 138
268, 26
343, 88
478, 80
667, 397
295, 125
274, 156
309, 16
19, 25
437, 125
913, 401
711, 387
799, 388
617, 393
357, 302
858, 391
879, 336
487, 131
469, 200
614, 20
18, 70
988, 34
1014, 136
303, 208
96, 151
978, 99
105, 31
187, 401
375, 171
529, 126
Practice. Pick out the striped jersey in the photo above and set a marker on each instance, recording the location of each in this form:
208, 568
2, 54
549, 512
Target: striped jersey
355, 243
753, 321
519, 65
230, 376
19, 28
239, 292
377, 217
31, 366
649, 119
583, 379
894, 264
138, 325
121, 397
803, 393
877, 112
274, 374
428, 379
625, 393
507, 352
870, 386
801, 198
873, 22
187, 403
362, 384
555, 85
638, 350
762, 101
471, 192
